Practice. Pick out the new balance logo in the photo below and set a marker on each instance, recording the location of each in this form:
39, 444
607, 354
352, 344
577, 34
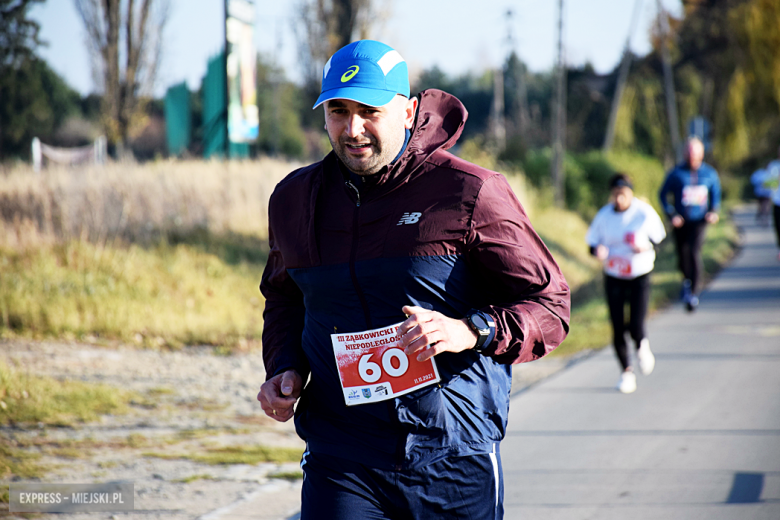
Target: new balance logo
409, 218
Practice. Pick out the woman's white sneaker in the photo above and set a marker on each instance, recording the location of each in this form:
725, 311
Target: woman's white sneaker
627, 382
646, 357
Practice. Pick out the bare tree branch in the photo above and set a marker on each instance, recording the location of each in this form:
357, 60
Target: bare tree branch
111, 24
324, 26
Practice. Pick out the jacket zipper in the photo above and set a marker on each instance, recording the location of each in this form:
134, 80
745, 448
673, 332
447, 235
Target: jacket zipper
354, 188
353, 255
400, 451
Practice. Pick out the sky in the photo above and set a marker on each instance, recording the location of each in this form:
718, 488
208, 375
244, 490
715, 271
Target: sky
454, 35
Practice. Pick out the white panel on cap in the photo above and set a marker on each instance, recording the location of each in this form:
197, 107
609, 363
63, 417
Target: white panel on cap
326, 68
389, 60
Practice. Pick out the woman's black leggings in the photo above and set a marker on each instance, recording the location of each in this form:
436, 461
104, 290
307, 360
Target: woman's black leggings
637, 293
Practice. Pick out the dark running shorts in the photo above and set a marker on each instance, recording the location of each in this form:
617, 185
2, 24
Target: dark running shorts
467, 488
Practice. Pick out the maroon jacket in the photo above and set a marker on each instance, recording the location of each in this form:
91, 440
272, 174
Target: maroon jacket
434, 231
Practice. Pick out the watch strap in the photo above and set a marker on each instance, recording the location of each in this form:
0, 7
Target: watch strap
483, 339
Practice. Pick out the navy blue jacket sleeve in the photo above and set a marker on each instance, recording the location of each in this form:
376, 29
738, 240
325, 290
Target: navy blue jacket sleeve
663, 195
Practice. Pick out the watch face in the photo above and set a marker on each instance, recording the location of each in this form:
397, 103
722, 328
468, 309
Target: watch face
479, 322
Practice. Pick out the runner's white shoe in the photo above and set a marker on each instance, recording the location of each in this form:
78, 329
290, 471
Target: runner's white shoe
646, 357
627, 382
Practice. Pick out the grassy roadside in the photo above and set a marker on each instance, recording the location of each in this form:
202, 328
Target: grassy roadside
41, 401
30, 399
202, 288
235, 455
37, 415
164, 253
193, 289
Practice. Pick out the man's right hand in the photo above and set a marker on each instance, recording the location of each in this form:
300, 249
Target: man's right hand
677, 221
279, 394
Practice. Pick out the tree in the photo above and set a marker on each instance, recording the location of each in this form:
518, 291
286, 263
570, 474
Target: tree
329, 25
18, 40
516, 94
322, 28
279, 103
34, 102
18, 34
726, 68
124, 74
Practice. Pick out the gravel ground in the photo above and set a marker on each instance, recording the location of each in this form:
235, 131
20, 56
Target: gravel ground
192, 396
191, 400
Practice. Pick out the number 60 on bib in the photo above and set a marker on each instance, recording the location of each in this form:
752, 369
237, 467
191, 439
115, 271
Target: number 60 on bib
373, 367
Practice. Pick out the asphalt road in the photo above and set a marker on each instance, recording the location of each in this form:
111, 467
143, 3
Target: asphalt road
699, 439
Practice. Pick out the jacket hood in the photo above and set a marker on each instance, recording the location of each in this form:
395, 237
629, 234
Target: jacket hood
439, 123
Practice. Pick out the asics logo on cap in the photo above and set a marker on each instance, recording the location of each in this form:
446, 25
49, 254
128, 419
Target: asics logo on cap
350, 73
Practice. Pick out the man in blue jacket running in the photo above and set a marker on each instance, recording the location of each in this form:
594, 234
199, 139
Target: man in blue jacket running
694, 187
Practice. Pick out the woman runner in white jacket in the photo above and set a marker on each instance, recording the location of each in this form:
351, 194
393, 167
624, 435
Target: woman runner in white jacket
624, 235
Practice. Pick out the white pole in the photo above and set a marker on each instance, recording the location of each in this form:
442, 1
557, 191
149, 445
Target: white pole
36, 155
499, 124
559, 119
100, 150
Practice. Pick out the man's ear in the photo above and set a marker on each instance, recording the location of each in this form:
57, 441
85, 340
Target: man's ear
411, 112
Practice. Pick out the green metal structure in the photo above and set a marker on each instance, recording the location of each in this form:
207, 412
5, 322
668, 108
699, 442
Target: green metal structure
178, 119
215, 113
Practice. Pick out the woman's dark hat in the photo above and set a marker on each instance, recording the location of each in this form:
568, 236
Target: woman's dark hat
620, 181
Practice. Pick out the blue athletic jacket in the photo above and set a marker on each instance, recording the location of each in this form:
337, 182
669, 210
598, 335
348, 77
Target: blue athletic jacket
694, 193
433, 231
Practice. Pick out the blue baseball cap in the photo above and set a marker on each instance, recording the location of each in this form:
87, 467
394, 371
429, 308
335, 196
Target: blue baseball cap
365, 71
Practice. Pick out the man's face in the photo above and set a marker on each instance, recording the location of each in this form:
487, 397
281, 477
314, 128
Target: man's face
695, 154
367, 138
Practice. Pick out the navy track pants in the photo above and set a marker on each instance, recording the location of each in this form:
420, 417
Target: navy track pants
467, 488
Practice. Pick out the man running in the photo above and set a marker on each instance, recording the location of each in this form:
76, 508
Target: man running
401, 285
695, 190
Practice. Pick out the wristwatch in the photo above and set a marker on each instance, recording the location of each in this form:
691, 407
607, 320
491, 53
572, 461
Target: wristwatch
484, 327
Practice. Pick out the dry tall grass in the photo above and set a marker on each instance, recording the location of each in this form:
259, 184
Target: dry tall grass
172, 252
162, 253
135, 202
71, 262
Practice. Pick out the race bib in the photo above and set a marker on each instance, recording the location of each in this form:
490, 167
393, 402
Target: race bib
618, 266
373, 367
695, 195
